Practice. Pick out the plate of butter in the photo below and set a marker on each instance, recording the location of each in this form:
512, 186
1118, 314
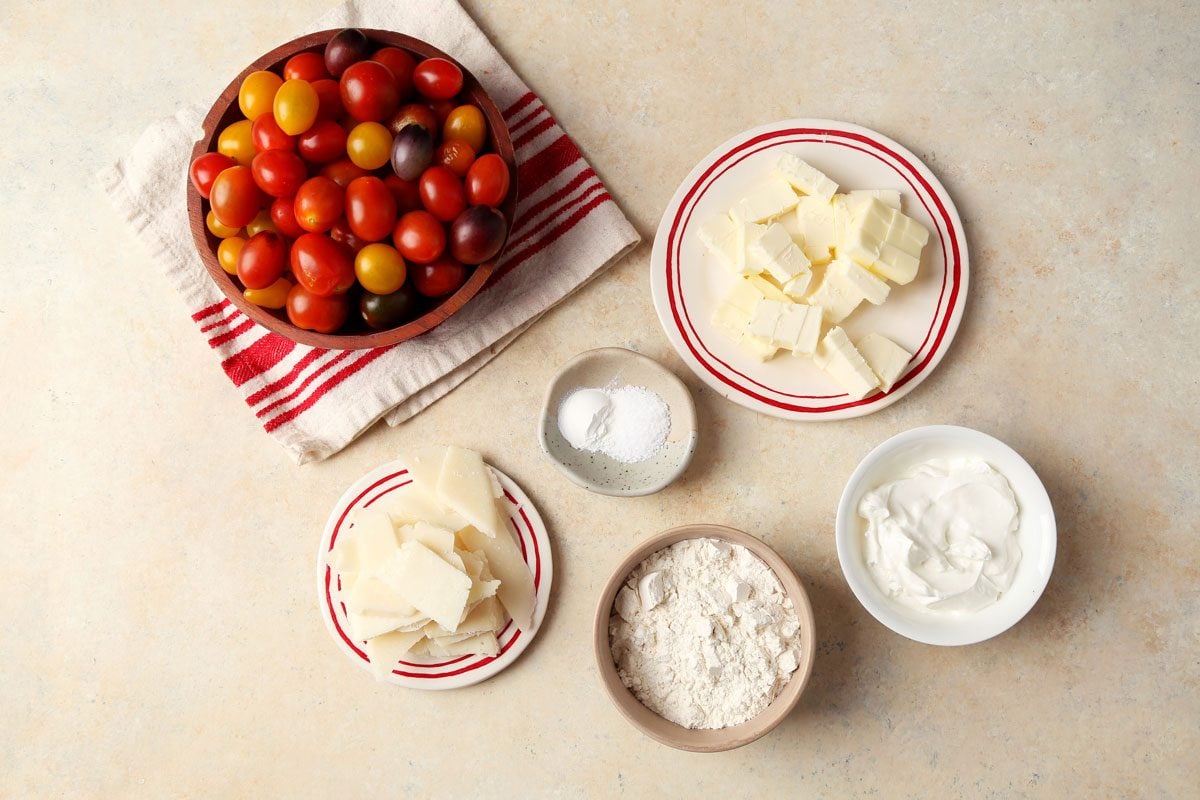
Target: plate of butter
810, 269
434, 570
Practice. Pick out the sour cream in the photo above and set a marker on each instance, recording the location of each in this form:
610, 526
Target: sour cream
943, 536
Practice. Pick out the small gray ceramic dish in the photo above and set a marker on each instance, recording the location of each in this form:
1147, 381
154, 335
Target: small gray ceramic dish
597, 472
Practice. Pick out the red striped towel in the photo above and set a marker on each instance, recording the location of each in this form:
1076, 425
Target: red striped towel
314, 402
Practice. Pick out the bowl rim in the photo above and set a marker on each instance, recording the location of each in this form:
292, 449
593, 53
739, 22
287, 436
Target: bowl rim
661, 729
578, 478
934, 631
206, 244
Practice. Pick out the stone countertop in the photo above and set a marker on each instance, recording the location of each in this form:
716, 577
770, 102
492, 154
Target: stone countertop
161, 635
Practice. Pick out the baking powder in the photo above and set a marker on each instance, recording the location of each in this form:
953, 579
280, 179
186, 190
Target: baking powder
628, 423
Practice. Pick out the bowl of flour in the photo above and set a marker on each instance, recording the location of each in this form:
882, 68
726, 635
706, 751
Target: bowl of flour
704, 638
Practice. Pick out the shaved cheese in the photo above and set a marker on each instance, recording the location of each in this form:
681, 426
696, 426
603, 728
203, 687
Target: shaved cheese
504, 560
437, 539
368, 626
417, 504
487, 616
425, 466
373, 596
466, 486
484, 644
374, 537
384, 651
481, 589
436, 589
473, 563
344, 555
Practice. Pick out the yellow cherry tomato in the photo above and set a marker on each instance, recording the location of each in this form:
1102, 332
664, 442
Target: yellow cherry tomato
262, 222
466, 123
257, 95
237, 143
380, 268
228, 251
218, 229
274, 296
296, 104
369, 145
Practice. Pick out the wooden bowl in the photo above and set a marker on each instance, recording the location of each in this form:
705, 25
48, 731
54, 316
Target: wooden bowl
357, 336
677, 736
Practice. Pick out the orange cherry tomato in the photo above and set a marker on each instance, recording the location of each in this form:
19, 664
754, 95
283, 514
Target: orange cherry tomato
296, 104
237, 142
380, 268
274, 296
227, 253
257, 93
219, 229
369, 145
456, 155
468, 124
262, 222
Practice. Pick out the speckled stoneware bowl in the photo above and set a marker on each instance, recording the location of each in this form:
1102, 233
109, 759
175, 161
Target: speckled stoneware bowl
597, 472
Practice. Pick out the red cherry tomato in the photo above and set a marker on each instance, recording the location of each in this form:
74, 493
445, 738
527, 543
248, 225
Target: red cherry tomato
401, 63
369, 91
370, 207
267, 135
314, 313
279, 173
321, 265
419, 237
283, 214
438, 79
306, 67
205, 170
487, 181
407, 193
344, 171
440, 278
262, 260
235, 197
456, 155
329, 98
414, 113
442, 109
319, 203
340, 232
324, 142
442, 194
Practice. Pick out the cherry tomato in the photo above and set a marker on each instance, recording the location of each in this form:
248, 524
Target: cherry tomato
314, 313
401, 63
262, 260
370, 208
441, 110
205, 170
369, 145
296, 105
266, 135
344, 171
456, 155
369, 91
340, 232
324, 142
235, 197
274, 296
329, 98
380, 268
477, 235
487, 181
262, 222
257, 93
237, 142
440, 278
321, 265
345, 48
319, 203
407, 193
419, 237
442, 194
279, 173
466, 123
437, 78
308, 66
227, 253
219, 230
283, 214
382, 311
413, 113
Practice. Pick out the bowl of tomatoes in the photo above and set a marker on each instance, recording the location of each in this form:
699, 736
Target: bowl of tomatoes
352, 189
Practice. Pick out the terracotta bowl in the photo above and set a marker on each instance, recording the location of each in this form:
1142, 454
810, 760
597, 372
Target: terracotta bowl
356, 336
662, 730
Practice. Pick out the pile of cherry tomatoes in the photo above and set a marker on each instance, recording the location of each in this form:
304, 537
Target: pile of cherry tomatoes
356, 178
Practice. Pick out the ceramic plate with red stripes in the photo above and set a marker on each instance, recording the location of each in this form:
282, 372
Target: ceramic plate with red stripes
687, 285
421, 672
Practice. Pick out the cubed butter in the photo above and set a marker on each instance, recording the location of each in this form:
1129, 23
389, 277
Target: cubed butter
767, 200
843, 363
777, 254
886, 359
804, 177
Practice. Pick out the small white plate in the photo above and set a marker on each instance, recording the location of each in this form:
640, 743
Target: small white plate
422, 672
688, 284
1037, 535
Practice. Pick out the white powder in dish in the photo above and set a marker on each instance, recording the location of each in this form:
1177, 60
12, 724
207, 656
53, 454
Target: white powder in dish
627, 423
703, 634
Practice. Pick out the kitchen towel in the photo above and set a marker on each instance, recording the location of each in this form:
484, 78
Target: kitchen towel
313, 401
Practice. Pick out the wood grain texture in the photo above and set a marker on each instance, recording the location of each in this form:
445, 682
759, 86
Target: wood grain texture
225, 111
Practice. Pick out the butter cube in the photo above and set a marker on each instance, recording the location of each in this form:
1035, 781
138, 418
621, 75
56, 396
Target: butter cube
837, 299
746, 293
804, 177
767, 289
760, 348
814, 220
766, 318
895, 264
799, 329
731, 320
777, 254
889, 197
886, 359
767, 200
839, 358
796, 288
723, 237
851, 279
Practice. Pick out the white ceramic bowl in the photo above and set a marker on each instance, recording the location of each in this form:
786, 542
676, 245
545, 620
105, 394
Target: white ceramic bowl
1036, 535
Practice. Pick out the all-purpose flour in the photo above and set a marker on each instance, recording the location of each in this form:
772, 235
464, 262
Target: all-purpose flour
703, 634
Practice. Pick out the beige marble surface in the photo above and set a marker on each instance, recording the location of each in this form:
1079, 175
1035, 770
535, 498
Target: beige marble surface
161, 636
